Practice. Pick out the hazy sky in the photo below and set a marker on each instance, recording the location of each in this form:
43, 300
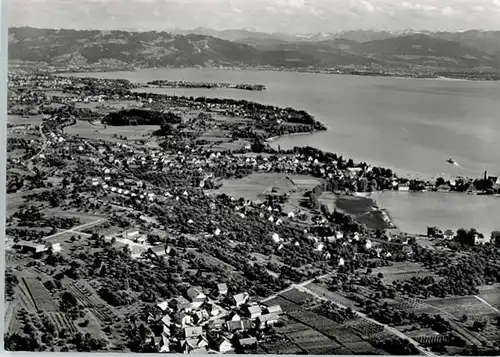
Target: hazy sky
297, 16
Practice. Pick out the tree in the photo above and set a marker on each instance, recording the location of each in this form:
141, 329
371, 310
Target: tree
479, 325
495, 238
49, 285
313, 201
68, 301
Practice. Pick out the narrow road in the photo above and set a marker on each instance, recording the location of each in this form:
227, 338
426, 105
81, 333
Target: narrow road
44, 143
299, 285
75, 229
487, 303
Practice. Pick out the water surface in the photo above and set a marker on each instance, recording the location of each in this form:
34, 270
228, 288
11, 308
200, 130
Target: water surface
414, 212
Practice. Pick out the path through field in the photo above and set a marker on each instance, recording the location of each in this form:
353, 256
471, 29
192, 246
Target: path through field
75, 229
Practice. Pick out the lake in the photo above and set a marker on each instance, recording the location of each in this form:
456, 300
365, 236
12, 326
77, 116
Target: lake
412, 212
409, 125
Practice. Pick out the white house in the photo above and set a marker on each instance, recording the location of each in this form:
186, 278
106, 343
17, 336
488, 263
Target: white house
240, 299
223, 345
274, 309
318, 246
254, 311
276, 238
267, 320
56, 247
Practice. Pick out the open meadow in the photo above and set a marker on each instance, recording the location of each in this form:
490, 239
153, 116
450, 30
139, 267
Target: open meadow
95, 130
258, 185
403, 271
24, 120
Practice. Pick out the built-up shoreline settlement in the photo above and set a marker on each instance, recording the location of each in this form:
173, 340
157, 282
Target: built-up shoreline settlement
135, 225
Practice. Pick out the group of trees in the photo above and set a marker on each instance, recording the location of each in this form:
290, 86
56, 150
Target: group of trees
141, 117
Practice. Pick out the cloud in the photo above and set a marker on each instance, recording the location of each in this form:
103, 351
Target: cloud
263, 15
448, 11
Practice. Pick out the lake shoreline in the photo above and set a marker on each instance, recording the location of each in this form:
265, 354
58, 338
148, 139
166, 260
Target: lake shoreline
326, 72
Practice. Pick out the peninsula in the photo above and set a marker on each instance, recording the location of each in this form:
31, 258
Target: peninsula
208, 85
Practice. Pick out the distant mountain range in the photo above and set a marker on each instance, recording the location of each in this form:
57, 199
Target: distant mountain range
204, 47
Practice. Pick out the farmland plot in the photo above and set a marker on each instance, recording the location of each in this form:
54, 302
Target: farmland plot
313, 342
330, 295
296, 296
284, 348
14, 324
469, 305
61, 321
24, 300
41, 297
492, 297
308, 335
94, 303
286, 305
361, 347
292, 328
317, 322
414, 305
343, 335
364, 328
381, 336
320, 347
405, 276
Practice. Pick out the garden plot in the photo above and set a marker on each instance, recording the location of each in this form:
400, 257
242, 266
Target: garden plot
42, 299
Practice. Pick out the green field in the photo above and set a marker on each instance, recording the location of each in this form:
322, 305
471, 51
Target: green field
96, 130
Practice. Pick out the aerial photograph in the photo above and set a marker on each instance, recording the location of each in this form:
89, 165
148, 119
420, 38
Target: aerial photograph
253, 177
